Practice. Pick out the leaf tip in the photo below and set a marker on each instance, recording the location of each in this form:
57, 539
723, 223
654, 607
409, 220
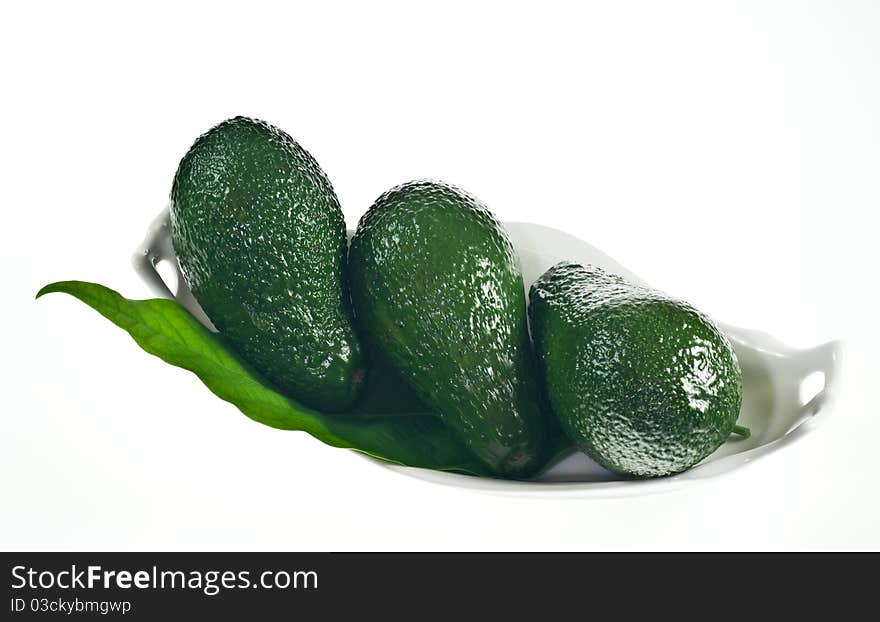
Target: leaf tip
47, 289
61, 287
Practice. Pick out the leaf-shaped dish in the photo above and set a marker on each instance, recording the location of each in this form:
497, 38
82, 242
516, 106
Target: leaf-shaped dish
783, 388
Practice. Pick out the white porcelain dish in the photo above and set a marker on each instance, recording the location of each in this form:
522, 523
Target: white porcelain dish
786, 391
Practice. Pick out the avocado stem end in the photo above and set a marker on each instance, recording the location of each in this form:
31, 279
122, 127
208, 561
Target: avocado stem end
741, 430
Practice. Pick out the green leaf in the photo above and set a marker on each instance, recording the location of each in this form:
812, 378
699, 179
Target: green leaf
390, 424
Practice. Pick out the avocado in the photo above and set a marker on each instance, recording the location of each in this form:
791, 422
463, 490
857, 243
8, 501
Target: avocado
438, 294
261, 242
644, 384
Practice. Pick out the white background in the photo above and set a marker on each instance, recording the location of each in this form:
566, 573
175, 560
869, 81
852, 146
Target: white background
729, 153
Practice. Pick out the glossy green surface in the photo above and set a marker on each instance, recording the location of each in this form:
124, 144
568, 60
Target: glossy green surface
438, 292
644, 384
261, 242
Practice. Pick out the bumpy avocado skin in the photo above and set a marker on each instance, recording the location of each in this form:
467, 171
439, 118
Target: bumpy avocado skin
644, 384
261, 241
438, 292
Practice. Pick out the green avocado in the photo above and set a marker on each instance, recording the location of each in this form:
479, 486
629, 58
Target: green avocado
644, 384
438, 293
261, 242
